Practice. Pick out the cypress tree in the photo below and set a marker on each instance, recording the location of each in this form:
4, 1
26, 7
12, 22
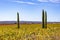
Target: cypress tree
45, 19
18, 20
42, 18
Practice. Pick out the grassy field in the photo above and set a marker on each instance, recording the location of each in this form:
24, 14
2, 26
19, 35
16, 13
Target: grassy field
30, 32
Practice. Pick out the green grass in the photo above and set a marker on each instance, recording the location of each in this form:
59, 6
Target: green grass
30, 32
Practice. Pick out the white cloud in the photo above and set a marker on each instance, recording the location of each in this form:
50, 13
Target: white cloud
25, 2
43, 0
10, 0
53, 1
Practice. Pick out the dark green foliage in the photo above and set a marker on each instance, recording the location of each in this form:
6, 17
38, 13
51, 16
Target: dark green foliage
45, 23
44, 19
18, 20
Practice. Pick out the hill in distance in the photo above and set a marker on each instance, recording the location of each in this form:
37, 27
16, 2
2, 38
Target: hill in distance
23, 22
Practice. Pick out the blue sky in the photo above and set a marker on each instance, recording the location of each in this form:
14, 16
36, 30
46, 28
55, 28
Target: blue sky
29, 10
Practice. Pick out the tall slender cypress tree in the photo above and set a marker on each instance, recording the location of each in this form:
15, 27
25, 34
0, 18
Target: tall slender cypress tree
42, 18
18, 20
45, 19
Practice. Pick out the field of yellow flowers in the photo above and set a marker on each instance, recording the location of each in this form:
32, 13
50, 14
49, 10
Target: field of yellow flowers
30, 32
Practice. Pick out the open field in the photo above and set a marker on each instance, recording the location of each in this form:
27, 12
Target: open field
30, 32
